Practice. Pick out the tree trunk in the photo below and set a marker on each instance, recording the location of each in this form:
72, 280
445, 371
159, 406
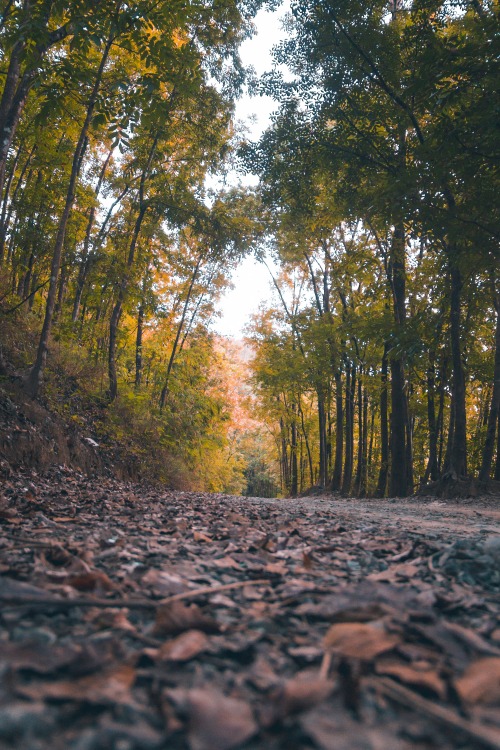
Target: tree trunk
285, 473
359, 462
308, 447
138, 347
118, 307
349, 423
364, 448
5, 204
489, 443
164, 390
431, 470
83, 268
339, 433
384, 428
36, 373
457, 462
322, 479
398, 486
293, 458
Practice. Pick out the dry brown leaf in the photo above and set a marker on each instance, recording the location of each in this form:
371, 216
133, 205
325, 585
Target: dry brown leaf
176, 617
94, 581
428, 679
225, 562
38, 657
185, 647
480, 683
304, 691
163, 583
106, 687
216, 722
396, 572
200, 536
358, 640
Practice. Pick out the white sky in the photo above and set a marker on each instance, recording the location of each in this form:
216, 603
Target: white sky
251, 280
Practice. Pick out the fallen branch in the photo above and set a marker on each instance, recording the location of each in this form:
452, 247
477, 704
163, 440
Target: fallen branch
483, 736
20, 600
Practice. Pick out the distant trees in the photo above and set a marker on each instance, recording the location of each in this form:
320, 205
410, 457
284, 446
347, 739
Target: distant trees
371, 169
112, 116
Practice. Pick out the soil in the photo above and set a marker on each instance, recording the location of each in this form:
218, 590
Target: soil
137, 617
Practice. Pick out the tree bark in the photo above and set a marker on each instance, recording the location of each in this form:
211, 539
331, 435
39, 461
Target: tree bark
398, 484
164, 391
83, 267
35, 376
138, 347
384, 428
431, 470
322, 478
489, 443
349, 423
339, 433
457, 461
294, 488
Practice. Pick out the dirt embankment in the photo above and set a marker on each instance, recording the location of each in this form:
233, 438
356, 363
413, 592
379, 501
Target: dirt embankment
35, 437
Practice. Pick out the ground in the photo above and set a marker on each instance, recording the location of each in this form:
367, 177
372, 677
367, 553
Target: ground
134, 617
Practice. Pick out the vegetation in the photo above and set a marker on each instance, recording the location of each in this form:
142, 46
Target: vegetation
378, 369
379, 174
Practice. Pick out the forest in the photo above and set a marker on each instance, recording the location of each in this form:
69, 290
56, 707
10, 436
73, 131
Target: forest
375, 367
288, 541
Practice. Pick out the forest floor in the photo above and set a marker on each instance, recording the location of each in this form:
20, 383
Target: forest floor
134, 617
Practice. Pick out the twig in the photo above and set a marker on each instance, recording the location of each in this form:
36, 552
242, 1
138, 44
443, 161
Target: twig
484, 736
19, 600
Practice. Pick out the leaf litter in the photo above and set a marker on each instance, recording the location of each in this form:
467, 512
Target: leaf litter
138, 617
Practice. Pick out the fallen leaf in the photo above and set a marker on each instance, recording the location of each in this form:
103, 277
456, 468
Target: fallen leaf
185, 647
200, 536
428, 679
94, 581
163, 583
177, 617
300, 693
106, 687
216, 722
480, 683
358, 640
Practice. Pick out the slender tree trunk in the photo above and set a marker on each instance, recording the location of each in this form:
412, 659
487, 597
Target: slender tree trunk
431, 470
308, 447
293, 456
164, 390
497, 464
36, 374
369, 460
138, 347
339, 433
322, 479
456, 466
5, 204
349, 415
285, 473
409, 444
489, 443
364, 448
116, 313
359, 462
83, 267
399, 468
384, 428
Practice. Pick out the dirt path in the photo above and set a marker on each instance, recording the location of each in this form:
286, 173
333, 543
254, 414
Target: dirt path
133, 617
469, 517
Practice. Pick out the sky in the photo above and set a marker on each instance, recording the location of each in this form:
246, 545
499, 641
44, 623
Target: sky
251, 280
